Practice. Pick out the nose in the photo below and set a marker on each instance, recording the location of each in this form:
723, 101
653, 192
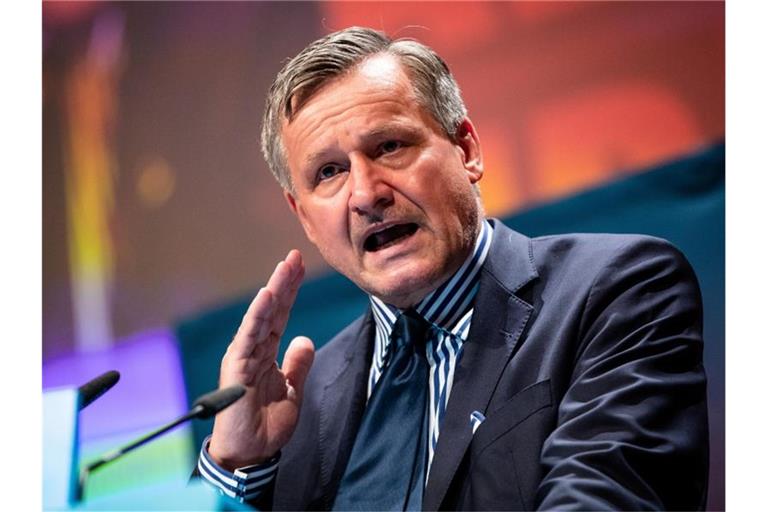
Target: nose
370, 193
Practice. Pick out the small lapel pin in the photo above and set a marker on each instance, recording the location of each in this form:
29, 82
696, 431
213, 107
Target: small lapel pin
476, 418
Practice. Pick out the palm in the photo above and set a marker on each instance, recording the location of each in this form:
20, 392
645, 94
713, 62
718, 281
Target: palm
257, 426
277, 414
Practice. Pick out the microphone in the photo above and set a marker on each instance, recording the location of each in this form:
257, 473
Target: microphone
209, 404
204, 407
96, 387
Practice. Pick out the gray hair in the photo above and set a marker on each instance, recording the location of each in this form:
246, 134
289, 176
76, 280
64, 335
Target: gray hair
338, 53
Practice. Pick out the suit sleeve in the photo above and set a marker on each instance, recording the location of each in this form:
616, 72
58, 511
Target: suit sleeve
631, 429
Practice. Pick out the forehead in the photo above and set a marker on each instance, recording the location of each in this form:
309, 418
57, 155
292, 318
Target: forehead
382, 68
377, 91
376, 79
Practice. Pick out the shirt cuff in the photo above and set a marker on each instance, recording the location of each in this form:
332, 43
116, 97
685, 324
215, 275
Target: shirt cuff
245, 484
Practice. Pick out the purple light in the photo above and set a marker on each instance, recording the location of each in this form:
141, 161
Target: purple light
150, 391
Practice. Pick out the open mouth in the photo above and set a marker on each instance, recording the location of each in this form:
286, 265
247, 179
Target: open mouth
389, 236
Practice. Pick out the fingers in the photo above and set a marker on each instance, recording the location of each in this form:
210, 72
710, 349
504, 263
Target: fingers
284, 284
255, 326
265, 319
296, 364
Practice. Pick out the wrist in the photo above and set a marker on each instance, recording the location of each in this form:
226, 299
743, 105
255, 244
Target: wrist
232, 462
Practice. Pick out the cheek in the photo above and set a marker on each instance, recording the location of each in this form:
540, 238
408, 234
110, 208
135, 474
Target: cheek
444, 182
455, 198
328, 223
459, 212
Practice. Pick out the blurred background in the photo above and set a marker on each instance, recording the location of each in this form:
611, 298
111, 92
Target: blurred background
160, 216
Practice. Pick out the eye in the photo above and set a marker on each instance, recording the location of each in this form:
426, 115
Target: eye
328, 171
390, 146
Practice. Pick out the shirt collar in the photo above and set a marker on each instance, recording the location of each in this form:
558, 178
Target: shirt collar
451, 301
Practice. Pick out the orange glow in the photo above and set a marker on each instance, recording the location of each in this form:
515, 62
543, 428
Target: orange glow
447, 25
580, 140
500, 185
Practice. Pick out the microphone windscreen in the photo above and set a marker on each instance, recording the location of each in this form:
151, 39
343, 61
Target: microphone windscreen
94, 388
218, 400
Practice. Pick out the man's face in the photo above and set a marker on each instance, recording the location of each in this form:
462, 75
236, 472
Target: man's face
381, 191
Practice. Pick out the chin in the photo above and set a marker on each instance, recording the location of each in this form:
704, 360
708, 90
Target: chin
406, 287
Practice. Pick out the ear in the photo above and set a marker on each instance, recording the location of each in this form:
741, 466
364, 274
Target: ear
469, 143
297, 209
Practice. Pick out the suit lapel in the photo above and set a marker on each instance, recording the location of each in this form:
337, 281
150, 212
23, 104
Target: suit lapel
498, 320
341, 410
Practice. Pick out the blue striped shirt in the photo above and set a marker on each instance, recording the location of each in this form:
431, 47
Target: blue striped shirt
449, 308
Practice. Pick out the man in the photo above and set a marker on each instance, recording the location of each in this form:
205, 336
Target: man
492, 371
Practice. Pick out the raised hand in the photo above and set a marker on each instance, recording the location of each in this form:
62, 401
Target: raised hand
254, 428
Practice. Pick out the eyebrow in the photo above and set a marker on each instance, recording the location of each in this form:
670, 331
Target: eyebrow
374, 133
317, 156
388, 129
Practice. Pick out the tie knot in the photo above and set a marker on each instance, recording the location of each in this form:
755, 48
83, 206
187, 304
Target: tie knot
410, 329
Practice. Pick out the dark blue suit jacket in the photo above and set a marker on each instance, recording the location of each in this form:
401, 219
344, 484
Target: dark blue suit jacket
585, 356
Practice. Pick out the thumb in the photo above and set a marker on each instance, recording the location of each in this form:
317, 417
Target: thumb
297, 362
